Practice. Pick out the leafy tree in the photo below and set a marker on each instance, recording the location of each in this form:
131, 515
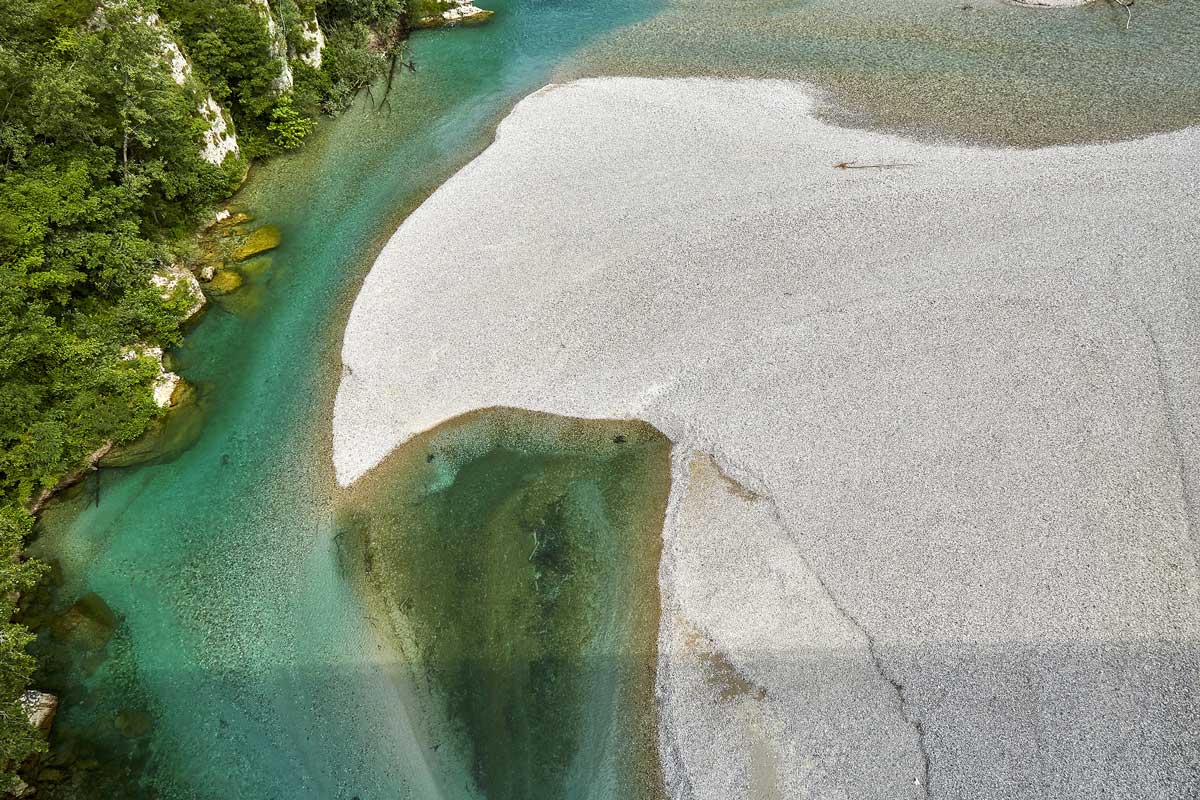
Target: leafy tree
101, 171
230, 47
18, 740
288, 127
371, 12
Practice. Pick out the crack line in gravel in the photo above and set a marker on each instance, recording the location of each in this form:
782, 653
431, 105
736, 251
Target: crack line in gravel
898, 688
1164, 385
1173, 431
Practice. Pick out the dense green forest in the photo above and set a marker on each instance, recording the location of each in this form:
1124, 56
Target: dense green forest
106, 179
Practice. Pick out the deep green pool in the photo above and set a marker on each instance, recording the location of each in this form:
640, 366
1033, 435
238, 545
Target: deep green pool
516, 556
242, 662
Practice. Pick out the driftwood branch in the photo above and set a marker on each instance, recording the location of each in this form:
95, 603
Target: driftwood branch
852, 165
1128, 6
391, 76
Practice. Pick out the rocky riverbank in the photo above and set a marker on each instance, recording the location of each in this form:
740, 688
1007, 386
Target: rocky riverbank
447, 13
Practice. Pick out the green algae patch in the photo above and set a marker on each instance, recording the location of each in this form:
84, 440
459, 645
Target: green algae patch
256, 267
516, 554
225, 281
260, 240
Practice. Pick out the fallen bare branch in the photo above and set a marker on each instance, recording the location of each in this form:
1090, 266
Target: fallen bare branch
1128, 6
852, 165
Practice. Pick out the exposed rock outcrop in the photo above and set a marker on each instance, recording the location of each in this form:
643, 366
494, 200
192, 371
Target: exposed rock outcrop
165, 383
164, 388
172, 277
219, 140
461, 12
455, 12
19, 788
40, 707
181, 70
315, 38
283, 82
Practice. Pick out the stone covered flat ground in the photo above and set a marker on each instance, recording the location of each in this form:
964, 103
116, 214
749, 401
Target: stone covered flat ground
935, 420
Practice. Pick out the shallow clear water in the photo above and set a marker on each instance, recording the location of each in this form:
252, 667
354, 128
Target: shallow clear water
985, 71
243, 663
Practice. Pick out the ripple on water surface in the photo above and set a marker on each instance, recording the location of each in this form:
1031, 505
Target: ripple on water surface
516, 554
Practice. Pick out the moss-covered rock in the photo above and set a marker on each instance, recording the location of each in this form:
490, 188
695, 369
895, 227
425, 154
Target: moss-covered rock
89, 623
260, 240
52, 775
168, 436
225, 281
254, 267
133, 723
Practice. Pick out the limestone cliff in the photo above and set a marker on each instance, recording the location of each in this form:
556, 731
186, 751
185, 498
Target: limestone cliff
219, 139
283, 82
314, 37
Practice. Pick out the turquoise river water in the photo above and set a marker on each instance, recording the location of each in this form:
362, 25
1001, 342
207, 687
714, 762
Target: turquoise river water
221, 649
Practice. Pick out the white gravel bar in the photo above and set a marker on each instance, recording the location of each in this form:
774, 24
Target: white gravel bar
958, 390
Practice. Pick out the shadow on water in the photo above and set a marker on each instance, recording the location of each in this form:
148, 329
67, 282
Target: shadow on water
1118, 703
508, 557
